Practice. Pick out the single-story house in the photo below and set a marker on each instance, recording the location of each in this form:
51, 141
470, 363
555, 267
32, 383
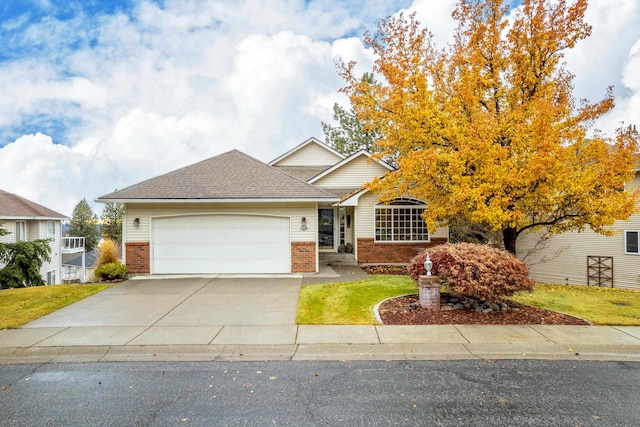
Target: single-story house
27, 220
587, 258
235, 214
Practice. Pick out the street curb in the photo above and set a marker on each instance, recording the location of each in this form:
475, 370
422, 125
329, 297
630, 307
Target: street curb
316, 352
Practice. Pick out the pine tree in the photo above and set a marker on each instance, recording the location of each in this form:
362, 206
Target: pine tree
112, 221
84, 224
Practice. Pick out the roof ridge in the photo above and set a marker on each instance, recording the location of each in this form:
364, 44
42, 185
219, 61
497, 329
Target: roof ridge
30, 207
232, 174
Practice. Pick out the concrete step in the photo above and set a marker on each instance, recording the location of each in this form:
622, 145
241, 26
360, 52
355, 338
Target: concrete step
338, 259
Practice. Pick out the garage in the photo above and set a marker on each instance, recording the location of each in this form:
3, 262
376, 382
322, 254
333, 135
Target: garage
220, 243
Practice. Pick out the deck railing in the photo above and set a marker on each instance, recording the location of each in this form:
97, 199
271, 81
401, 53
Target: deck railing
72, 244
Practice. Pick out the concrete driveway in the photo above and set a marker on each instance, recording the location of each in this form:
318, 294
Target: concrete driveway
178, 311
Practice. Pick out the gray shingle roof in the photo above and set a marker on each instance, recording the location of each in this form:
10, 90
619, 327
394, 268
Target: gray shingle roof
232, 175
13, 206
303, 173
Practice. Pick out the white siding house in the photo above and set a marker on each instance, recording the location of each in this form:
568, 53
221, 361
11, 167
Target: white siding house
587, 257
26, 220
235, 214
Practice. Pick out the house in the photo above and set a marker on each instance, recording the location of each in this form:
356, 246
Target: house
587, 258
79, 267
26, 220
235, 214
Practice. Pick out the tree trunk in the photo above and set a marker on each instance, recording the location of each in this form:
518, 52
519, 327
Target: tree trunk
509, 235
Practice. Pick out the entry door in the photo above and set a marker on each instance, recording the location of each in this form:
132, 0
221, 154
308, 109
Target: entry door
325, 228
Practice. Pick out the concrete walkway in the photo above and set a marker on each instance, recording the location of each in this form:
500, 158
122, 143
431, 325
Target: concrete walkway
253, 318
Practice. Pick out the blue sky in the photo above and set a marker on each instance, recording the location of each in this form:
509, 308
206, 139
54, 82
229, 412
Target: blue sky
95, 93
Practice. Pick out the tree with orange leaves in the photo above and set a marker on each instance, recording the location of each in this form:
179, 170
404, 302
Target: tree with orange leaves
487, 129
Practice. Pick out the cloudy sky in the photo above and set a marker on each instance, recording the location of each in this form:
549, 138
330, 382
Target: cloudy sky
97, 95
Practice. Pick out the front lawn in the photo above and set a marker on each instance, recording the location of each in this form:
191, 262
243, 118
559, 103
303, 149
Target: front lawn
349, 303
602, 306
352, 303
22, 305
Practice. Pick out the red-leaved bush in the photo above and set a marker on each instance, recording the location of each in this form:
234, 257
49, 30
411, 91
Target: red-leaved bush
474, 270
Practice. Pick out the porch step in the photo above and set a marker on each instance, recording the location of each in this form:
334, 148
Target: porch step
338, 259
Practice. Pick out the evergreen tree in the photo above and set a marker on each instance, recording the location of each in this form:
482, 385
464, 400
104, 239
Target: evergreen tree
350, 135
84, 224
21, 262
112, 221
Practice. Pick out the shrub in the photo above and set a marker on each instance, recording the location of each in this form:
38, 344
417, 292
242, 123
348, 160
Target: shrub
111, 271
479, 271
107, 253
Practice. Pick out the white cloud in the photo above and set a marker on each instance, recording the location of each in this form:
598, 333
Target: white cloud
604, 59
35, 168
164, 86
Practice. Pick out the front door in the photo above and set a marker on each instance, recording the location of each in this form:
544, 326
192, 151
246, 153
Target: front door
325, 228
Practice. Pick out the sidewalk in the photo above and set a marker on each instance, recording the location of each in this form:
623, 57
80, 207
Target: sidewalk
216, 318
319, 342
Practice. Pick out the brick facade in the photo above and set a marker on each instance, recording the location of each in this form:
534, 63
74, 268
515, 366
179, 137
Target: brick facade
138, 258
303, 257
371, 252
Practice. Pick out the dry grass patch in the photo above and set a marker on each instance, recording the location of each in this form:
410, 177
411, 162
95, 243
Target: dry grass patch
22, 305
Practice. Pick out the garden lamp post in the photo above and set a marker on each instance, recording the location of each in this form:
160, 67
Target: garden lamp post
428, 265
429, 287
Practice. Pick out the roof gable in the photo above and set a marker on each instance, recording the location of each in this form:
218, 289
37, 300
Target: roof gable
354, 171
229, 176
15, 207
311, 152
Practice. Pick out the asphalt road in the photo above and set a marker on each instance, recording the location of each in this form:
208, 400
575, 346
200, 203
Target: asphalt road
456, 393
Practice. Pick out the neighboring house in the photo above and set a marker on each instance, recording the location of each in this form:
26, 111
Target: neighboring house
79, 268
26, 220
587, 258
234, 214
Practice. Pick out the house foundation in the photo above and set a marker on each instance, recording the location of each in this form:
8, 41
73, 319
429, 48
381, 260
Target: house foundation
372, 252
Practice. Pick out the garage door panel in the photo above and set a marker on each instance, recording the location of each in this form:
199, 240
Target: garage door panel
221, 244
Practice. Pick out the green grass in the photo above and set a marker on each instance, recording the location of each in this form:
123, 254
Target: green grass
349, 303
602, 306
352, 303
22, 305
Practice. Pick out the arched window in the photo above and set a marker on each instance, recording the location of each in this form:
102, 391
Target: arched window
400, 221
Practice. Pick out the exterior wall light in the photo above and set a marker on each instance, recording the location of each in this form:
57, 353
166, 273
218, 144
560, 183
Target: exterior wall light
136, 222
303, 224
428, 265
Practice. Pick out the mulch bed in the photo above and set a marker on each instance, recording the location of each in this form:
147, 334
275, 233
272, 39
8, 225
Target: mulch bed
401, 311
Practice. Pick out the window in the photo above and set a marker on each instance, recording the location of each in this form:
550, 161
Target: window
51, 230
631, 242
401, 221
21, 230
51, 277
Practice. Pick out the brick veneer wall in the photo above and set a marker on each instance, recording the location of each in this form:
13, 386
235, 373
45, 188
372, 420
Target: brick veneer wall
370, 251
303, 257
138, 257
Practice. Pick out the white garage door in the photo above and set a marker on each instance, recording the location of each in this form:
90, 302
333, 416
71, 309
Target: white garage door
221, 244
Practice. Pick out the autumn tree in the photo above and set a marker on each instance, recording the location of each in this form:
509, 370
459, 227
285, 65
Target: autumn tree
488, 128
112, 221
84, 224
